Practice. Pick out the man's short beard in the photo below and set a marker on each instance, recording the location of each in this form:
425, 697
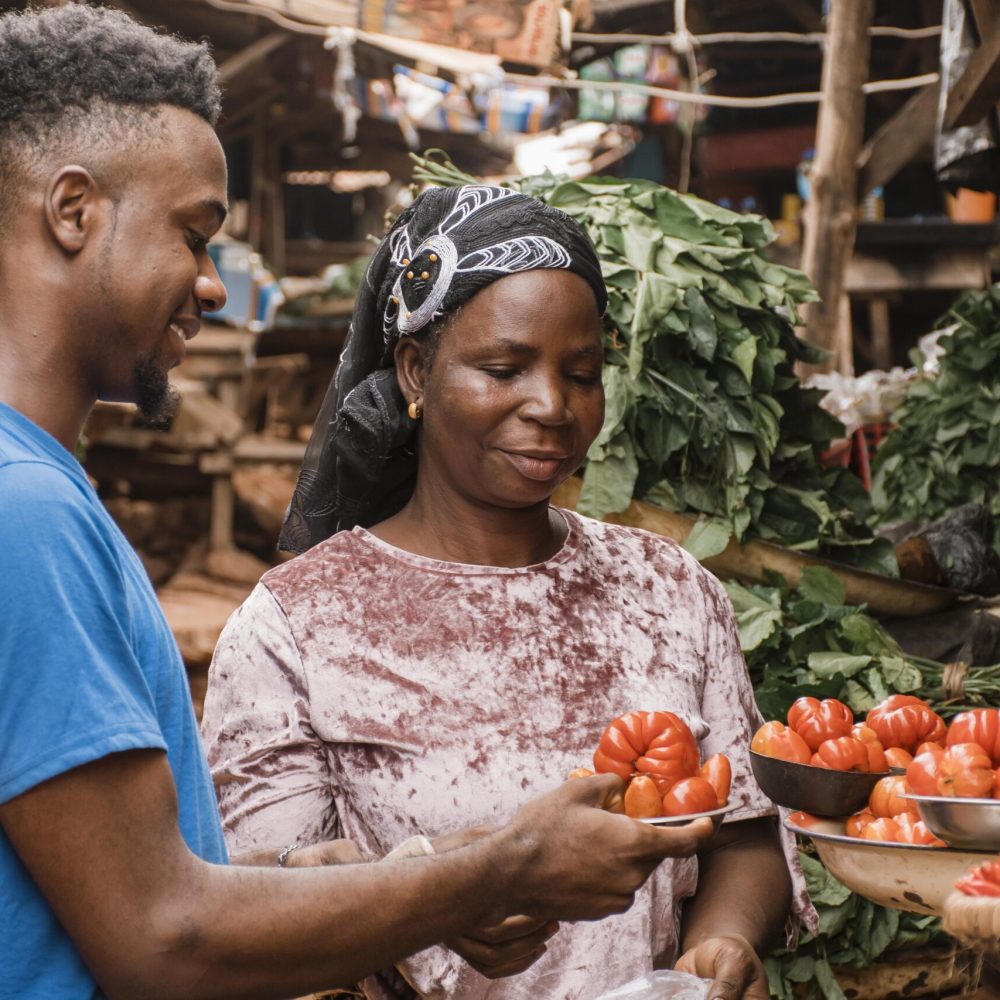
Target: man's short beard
156, 399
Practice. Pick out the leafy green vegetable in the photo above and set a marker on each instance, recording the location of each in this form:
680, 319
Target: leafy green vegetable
945, 450
704, 411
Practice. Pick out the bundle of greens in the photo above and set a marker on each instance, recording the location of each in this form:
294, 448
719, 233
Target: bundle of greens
945, 450
853, 931
704, 411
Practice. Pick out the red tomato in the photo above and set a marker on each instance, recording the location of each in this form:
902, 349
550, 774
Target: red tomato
914, 831
882, 828
965, 772
865, 733
629, 737
922, 772
934, 748
887, 799
855, 825
877, 764
717, 772
981, 726
904, 721
983, 880
844, 753
580, 772
642, 798
818, 721
897, 757
688, 796
775, 739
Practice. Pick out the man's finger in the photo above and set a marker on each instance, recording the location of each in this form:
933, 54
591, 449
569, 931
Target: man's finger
513, 928
679, 841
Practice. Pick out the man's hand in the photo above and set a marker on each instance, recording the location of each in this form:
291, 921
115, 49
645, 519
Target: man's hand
504, 950
581, 861
732, 965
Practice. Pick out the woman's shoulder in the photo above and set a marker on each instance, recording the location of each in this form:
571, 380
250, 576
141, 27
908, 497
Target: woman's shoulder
645, 551
318, 570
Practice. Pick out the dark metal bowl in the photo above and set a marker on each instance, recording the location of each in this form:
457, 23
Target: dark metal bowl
815, 790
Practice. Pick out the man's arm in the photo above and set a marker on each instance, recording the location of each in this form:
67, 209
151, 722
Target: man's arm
151, 919
741, 905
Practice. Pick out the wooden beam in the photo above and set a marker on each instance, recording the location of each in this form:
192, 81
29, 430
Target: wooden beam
899, 140
976, 91
831, 210
248, 58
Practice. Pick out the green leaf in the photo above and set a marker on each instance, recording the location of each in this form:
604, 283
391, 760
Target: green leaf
607, 484
707, 539
703, 334
826, 664
757, 625
901, 676
821, 584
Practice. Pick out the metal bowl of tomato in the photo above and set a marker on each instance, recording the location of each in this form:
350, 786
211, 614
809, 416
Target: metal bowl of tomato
971, 824
817, 790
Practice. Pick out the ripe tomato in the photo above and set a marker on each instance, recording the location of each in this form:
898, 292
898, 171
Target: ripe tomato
887, 799
904, 721
688, 796
717, 772
965, 771
580, 772
980, 725
877, 764
844, 753
642, 798
818, 721
983, 880
897, 757
922, 772
775, 739
882, 828
855, 825
914, 831
628, 738
865, 733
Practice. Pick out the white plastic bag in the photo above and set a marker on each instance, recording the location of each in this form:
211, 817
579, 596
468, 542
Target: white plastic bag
661, 986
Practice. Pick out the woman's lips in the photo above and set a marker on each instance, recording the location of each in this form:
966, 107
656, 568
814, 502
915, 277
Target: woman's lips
536, 465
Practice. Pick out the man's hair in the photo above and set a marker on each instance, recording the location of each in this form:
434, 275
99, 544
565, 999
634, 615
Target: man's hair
83, 78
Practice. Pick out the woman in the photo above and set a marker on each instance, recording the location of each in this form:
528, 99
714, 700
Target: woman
449, 644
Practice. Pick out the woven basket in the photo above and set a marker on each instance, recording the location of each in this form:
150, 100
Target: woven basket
973, 920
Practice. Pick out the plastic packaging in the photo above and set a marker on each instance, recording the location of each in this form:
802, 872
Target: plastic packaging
661, 986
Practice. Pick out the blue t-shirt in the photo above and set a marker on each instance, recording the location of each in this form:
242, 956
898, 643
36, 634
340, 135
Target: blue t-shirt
88, 667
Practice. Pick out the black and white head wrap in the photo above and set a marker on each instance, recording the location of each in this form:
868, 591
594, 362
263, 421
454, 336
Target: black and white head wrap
360, 465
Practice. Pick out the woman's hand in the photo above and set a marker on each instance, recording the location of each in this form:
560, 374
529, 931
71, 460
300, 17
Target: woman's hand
328, 852
732, 965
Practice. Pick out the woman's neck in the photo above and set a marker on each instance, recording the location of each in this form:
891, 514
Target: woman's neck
452, 529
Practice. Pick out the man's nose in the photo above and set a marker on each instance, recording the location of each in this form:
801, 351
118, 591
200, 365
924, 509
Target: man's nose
209, 290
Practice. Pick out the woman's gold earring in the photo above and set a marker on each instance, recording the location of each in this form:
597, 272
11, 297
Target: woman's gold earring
414, 411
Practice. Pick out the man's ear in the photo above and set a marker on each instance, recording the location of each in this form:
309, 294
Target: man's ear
73, 203
410, 369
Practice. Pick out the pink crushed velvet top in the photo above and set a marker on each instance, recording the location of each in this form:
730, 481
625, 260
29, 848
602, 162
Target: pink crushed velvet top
366, 692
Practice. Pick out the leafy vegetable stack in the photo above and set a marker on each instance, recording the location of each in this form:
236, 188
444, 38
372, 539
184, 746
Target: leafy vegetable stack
704, 411
945, 450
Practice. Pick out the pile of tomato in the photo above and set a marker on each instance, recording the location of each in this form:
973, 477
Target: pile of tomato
825, 734
890, 817
656, 753
983, 880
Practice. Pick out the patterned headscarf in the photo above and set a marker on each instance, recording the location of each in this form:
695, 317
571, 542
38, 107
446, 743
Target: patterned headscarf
360, 465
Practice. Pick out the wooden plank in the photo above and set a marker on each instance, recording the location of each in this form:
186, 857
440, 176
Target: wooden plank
978, 88
899, 140
949, 269
831, 209
249, 58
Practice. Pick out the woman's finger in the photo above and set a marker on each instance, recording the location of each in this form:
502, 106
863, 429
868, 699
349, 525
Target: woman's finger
513, 928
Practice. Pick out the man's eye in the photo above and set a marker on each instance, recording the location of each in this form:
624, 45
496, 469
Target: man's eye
197, 242
501, 373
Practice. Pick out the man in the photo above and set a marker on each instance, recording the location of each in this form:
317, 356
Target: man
113, 878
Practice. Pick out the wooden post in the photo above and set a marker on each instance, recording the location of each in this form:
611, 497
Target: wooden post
830, 212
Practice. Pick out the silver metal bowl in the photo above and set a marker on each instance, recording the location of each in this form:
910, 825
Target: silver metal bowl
972, 824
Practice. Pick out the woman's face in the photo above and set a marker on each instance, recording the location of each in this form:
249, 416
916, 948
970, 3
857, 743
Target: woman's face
513, 397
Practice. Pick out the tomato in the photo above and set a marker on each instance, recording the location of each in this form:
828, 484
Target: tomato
877, 764
580, 772
887, 799
914, 831
904, 721
980, 725
898, 757
855, 825
882, 828
775, 739
934, 748
688, 796
717, 772
628, 739
864, 733
965, 771
642, 798
844, 753
922, 772
818, 721
984, 880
